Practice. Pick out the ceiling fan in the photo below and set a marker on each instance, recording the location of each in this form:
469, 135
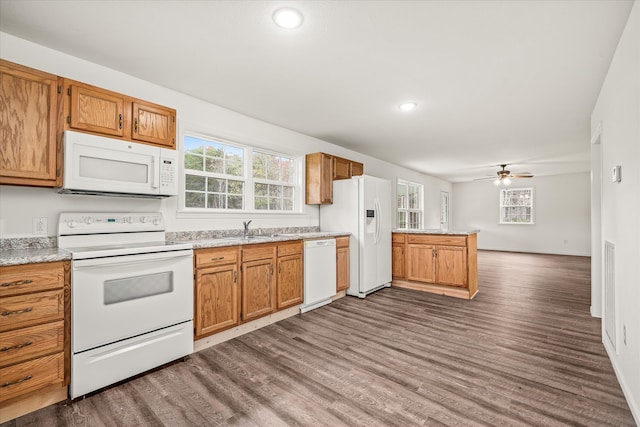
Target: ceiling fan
504, 176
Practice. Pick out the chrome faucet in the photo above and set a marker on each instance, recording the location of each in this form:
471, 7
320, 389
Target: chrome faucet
246, 228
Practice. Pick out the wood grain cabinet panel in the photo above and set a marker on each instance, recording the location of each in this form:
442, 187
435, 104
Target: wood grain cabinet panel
216, 299
154, 124
357, 169
341, 168
258, 296
342, 263
34, 335
96, 110
437, 263
28, 377
289, 280
30, 153
100, 111
319, 179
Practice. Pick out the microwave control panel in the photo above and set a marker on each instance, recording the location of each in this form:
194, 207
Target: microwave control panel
168, 176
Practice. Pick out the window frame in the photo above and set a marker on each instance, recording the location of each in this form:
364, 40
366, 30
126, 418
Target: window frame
419, 210
531, 205
247, 178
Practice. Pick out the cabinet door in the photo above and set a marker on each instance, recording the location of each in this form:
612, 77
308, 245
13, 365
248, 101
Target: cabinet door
216, 305
28, 106
357, 169
96, 110
342, 268
451, 265
289, 280
398, 261
341, 168
420, 263
319, 179
258, 296
154, 124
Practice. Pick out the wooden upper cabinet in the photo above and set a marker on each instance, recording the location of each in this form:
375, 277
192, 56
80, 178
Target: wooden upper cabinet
319, 179
29, 149
154, 124
95, 110
341, 168
345, 169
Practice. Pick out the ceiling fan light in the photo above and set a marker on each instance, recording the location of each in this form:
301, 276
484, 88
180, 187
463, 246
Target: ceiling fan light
507, 181
408, 106
497, 181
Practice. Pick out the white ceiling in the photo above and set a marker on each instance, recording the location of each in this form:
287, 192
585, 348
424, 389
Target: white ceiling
496, 81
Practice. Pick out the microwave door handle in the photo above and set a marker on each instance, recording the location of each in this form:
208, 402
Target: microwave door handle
155, 174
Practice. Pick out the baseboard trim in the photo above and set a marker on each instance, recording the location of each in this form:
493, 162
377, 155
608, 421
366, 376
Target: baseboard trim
32, 403
245, 328
635, 411
536, 252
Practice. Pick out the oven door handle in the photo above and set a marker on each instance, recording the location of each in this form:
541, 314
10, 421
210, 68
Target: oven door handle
131, 259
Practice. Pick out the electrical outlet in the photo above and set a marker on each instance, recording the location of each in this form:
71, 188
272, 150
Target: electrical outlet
40, 226
624, 334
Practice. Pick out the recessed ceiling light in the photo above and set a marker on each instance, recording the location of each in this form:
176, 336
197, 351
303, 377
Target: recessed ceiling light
288, 18
408, 106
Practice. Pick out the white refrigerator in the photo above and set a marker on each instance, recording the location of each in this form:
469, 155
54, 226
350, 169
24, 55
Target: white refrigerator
362, 206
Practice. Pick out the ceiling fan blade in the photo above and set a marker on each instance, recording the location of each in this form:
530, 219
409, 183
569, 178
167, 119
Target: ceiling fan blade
522, 175
485, 179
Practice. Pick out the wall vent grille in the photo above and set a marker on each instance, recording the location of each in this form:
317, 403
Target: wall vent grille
610, 292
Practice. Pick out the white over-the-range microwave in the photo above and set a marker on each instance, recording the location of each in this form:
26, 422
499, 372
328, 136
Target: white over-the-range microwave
106, 166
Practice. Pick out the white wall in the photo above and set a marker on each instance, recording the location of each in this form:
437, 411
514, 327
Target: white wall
561, 215
18, 205
617, 112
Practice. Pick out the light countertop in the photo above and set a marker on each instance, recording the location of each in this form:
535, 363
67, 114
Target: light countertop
437, 231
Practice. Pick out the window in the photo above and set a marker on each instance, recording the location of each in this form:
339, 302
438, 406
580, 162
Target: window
223, 176
409, 204
516, 206
273, 182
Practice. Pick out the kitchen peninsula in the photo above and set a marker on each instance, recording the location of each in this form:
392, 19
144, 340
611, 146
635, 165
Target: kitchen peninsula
444, 262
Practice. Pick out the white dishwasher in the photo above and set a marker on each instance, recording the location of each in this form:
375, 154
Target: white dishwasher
319, 273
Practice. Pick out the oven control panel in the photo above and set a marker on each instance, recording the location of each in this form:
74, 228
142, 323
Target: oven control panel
111, 222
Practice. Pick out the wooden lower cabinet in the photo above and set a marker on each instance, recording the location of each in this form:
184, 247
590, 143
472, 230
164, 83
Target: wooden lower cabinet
445, 264
258, 296
34, 336
237, 284
342, 263
398, 265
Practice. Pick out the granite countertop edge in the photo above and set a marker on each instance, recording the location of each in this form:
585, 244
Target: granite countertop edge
39, 255
437, 231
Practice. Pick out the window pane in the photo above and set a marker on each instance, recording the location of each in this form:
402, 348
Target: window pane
194, 200
235, 187
287, 170
215, 149
261, 203
193, 145
287, 192
402, 196
275, 190
216, 201
235, 202
414, 220
261, 189
195, 182
275, 204
193, 162
217, 185
402, 219
287, 204
414, 197
235, 160
259, 165
214, 165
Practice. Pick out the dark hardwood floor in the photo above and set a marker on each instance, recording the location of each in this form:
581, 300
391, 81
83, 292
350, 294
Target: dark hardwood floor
525, 351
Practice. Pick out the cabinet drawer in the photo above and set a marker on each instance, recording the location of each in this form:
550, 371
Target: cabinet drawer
20, 279
437, 239
258, 252
290, 248
208, 257
26, 343
342, 242
30, 376
31, 309
398, 238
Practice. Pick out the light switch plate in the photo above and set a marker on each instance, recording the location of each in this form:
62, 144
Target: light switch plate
616, 174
